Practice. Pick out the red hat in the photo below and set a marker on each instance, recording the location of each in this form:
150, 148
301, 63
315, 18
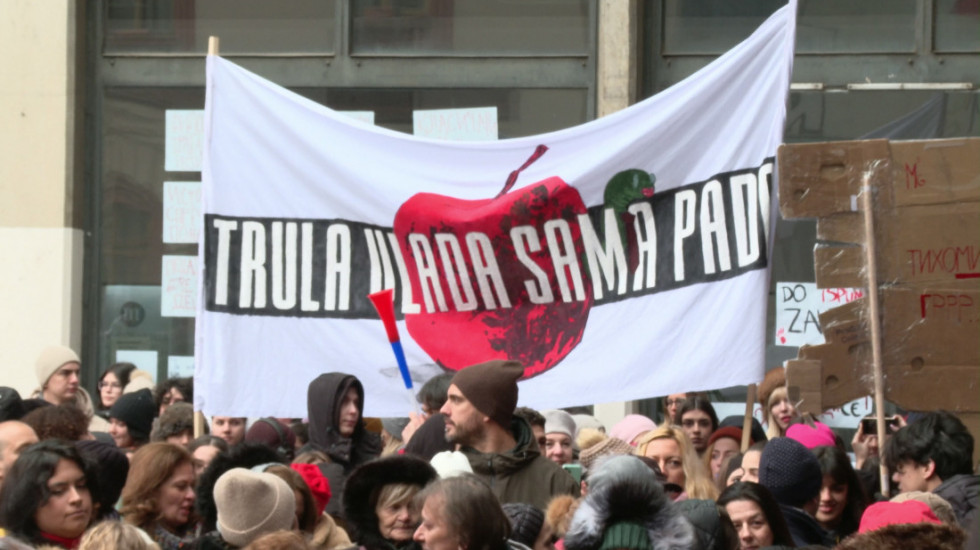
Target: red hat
820, 435
728, 431
881, 514
318, 484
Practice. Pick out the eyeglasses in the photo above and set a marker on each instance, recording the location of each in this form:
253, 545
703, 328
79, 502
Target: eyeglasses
113, 385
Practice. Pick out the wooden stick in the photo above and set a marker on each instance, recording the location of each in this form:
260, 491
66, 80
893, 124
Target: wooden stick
871, 266
747, 423
212, 45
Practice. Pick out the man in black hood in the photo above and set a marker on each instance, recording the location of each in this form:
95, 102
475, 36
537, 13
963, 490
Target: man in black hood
335, 406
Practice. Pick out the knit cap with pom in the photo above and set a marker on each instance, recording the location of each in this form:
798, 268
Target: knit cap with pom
594, 445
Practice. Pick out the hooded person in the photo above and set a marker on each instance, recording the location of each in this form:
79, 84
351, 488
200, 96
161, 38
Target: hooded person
499, 445
335, 407
626, 507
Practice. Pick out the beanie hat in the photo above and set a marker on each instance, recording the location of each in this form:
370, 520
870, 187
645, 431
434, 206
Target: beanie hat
394, 426
318, 484
820, 435
757, 434
51, 359
790, 471
631, 427
271, 433
626, 534
11, 405
730, 432
177, 419
587, 421
940, 506
252, 504
492, 388
526, 522
451, 464
139, 380
880, 514
775, 378
595, 445
136, 410
111, 465
558, 421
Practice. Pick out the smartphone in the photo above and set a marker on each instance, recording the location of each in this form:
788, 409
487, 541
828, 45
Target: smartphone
575, 470
869, 424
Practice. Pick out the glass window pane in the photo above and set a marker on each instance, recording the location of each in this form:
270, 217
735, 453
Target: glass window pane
244, 26
471, 27
827, 26
957, 25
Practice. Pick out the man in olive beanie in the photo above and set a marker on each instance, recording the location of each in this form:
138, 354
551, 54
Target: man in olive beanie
500, 446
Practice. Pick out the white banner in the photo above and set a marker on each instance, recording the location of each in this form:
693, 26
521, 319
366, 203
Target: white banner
629, 259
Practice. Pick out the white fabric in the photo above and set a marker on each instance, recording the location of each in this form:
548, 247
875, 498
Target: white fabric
270, 154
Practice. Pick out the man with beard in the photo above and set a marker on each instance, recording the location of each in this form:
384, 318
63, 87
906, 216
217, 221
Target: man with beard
500, 446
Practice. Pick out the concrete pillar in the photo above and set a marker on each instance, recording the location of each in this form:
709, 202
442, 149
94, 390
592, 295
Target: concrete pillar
41, 237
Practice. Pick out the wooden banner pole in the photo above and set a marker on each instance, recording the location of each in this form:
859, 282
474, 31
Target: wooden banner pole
747, 422
871, 265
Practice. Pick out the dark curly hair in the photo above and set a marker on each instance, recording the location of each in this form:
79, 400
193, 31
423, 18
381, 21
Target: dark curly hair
184, 385
58, 422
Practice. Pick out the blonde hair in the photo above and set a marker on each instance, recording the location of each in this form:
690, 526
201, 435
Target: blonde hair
394, 494
697, 481
772, 427
110, 535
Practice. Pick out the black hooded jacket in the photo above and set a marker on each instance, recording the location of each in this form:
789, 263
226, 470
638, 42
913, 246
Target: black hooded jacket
323, 401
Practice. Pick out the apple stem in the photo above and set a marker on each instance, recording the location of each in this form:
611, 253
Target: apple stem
512, 178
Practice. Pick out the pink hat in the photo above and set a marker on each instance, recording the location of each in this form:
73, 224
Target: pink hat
881, 514
631, 427
820, 435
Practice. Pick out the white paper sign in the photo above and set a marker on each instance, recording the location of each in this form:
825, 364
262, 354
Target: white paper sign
181, 211
363, 116
798, 307
184, 141
845, 416
178, 286
476, 124
180, 365
143, 359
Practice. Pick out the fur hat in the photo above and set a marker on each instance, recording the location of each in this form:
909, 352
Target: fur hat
622, 489
775, 378
908, 535
631, 427
595, 445
364, 484
177, 419
492, 388
820, 435
558, 421
139, 380
137, 411
51, 359
940, 506
251, 504
790, 471
559, 513
526, 522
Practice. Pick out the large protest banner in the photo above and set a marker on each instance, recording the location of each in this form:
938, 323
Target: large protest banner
628, 259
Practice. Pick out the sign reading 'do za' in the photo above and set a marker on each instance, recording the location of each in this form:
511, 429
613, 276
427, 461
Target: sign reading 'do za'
798, 309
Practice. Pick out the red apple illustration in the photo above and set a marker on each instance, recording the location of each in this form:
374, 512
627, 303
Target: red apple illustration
535, 316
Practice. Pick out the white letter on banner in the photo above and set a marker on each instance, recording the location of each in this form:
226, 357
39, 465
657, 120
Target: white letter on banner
646, 245
306, 301
713, 228
607, 263
486, 270
684, 225
284, 268
425, 263
746, 212
253, 266
454, 269
562, 255
765, 172
525, 238
338, 268
224, 227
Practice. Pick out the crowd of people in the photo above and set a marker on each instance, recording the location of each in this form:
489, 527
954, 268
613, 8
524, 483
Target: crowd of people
474, 471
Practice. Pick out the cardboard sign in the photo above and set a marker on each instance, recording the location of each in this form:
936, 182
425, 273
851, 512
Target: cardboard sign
178, 286
181, 211
798, 309
476, 124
